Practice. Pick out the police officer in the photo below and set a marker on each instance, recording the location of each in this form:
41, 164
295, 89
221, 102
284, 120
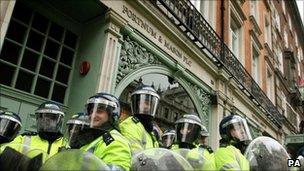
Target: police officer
10, 125
235, 133
168, 138
106, 142
206, 150
78, 131
49, 138
138, 129
188, 130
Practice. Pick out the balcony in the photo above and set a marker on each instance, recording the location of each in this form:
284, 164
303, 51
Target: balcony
186, 17
291, 117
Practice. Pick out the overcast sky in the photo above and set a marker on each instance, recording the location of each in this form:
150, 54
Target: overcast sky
301, 8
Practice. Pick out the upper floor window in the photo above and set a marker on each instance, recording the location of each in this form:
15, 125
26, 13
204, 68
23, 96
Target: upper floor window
286, 37
37, 54
254, 10
267, 31
235, 38
270, 83
255, 64
207, 9
283, 6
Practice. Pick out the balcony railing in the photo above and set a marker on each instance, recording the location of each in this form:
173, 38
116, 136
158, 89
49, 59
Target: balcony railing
291, 116
190, 21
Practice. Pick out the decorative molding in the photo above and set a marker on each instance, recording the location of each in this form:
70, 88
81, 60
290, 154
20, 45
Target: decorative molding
238, 12
256, 39
133, 56
255, 25
205, 99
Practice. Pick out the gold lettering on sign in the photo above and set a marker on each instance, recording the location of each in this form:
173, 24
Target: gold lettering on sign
144, 25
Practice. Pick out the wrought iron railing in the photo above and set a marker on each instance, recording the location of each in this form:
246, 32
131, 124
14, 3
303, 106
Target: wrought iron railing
185, 16
291, 116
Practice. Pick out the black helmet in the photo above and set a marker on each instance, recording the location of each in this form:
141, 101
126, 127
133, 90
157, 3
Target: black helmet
168, 138
144, 101
77, 127
10, 125
235, 128
103, 102
188, 128
49, 118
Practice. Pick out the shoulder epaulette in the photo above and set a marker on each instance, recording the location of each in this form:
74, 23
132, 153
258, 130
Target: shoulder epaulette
135, 119
29, 133
209, 149
107, 138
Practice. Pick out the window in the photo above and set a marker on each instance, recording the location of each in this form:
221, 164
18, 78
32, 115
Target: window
299, 69
37, 54
270, 83
286, 37
276, 19
289, 22
280, 60
235, 33
235, 39
283, 6
255, 65
267, 31
207, 9
254, 10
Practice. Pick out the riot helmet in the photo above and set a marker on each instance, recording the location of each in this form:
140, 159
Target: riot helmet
49, 117
10, 125
234, 128
168, 138
103, 110
144, 101
204, 132
77, 127
188, 129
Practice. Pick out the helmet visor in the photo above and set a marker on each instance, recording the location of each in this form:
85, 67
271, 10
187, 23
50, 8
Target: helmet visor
49, 122
99, 113
168, 139
75, 131
240, 130
144, 104
8, 128
187, 132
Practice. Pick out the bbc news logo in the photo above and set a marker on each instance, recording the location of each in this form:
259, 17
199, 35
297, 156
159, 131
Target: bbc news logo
294, 163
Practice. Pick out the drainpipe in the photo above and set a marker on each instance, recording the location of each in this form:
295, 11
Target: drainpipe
222, 19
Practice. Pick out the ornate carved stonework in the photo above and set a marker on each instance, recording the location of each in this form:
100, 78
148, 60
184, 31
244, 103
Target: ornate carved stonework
133, 56
204, 98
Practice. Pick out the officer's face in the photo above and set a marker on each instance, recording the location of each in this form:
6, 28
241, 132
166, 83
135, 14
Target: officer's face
145, 107
185, 130
98, 117
238, 133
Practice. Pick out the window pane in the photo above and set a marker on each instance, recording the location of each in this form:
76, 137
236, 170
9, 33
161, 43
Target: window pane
58, 93
6, 74
10, 52
24, 81
42, 87
40, 22
56, 31
35, 41
22, 12
16, 31
63, 74
29, 60
67, 56
51, 49
70, 39
47, 68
